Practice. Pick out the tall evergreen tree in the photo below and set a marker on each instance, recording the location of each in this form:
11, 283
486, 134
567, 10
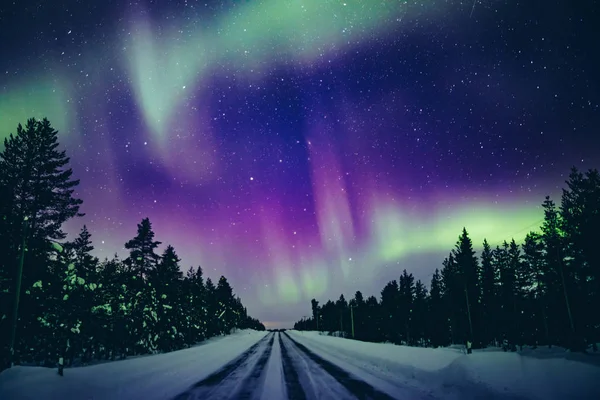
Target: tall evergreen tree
513, 293
489, 302
468, 267
453, 296
142, 259
533, 261
373, 330
358, 315
225, 305
196, 304
315, 311
406, 297
212, 309
558, 281
167, 279
38, 185
142, 262
419, 314
438, 319
343, 315
389, 312
580, 212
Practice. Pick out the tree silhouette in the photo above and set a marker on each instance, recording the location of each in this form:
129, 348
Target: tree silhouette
38, 187
142, 258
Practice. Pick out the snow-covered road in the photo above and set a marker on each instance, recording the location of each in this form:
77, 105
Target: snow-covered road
308, 376
239, 379
278, 367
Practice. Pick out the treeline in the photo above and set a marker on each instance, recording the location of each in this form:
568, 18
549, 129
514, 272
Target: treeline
545, 291
71, 304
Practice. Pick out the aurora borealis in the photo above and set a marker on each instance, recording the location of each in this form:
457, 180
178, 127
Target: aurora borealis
307, 148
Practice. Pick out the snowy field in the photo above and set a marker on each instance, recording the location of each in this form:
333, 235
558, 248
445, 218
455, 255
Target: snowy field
160, 376
450, 374
306, 365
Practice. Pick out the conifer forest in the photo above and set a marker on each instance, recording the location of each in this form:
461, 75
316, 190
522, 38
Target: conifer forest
73, 305
544, 291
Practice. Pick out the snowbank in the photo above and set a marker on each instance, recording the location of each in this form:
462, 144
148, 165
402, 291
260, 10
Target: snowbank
449, 373
160, 376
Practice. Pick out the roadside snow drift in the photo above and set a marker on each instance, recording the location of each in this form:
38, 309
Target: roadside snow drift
160, 376
448, 373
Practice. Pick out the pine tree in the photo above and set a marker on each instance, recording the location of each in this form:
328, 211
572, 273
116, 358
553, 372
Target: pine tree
121, 298
196, 304
225, 300
77, 253
406, 294
468, 267
358, 315
453, 297
389, 312
330, 317
580, 217
512, 294
535, 267
143, 259
315, 311
489, 302
438, 320
38, 187
212, 325
142, 297
374, 320
558, 280
419, 314
167, 280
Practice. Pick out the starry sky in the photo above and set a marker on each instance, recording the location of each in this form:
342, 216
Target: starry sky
308, 148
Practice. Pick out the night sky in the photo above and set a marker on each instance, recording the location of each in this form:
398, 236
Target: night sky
308, 148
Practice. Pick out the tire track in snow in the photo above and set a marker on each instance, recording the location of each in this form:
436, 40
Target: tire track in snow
295, 390
207, 386
252, 382
357, 387
316, 382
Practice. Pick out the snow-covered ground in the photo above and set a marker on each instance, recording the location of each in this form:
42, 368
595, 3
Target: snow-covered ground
160, 376
450, 374
306, 365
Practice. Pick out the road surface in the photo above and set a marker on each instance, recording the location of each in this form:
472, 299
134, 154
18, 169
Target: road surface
277, 367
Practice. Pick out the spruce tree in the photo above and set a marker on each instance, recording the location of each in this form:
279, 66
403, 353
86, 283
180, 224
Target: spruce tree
389, 312
167, 280
406, 294
419, 314
558, 280
142, 296
225, 299
314, 304
580, 217
196, 304
142, 259
438, 320
374, 322
454, 299
533, 260
343, 315
77, 253
468, 277
512, 294
212, 309
488, 295
358, 314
